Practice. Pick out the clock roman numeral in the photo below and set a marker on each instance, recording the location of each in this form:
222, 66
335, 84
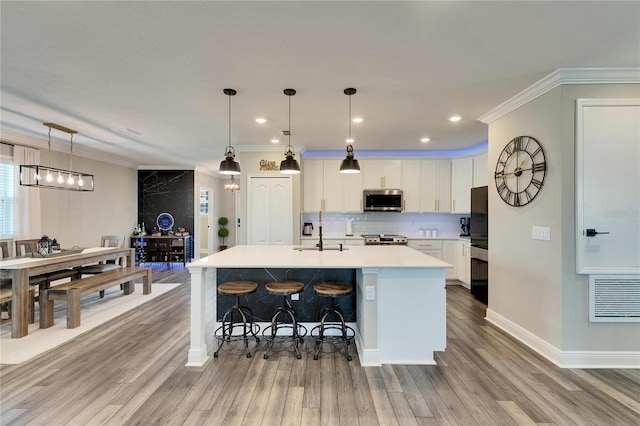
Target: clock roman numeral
510, 149
516, 199
501, 188
536, 183
539, 167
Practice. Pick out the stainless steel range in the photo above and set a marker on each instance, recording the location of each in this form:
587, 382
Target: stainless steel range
385, 239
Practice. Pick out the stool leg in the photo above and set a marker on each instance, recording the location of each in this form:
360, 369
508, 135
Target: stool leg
332, 310
228, 324
274, 331
287, 310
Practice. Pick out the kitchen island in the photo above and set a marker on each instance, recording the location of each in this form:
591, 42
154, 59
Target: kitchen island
400, 296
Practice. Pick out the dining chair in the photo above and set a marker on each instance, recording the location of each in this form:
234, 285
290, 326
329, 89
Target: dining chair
5, 287
4, 249
26, 247
116, 241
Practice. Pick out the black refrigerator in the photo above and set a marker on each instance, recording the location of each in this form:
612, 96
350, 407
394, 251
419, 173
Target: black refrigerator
479, 230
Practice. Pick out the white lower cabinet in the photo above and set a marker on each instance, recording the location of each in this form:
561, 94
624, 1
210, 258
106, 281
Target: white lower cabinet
446, 250
450, 255
464, 262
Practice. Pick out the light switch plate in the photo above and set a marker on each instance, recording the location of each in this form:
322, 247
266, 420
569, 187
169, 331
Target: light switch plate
295, 296
541, 233
370, 293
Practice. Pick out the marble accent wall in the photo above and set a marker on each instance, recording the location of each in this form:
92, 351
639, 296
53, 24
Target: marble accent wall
264, 304
166, 191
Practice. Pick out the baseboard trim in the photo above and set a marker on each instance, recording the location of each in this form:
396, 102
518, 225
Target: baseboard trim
565, 359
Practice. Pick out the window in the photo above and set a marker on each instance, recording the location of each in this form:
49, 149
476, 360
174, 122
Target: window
6, 197
204, 201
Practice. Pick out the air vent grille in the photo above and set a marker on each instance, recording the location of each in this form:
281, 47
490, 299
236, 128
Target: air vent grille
614, 298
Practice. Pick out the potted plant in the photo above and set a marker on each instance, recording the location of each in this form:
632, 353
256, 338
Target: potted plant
223, 232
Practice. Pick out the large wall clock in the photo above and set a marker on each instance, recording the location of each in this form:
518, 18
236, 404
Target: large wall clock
520, 171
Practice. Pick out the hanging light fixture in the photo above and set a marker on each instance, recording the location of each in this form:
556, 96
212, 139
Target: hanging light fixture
43, 176
289, 165
229, 166
232, 185
349, 164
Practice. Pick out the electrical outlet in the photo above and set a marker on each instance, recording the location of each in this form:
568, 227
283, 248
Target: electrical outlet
295, 296
370, 293
541, 233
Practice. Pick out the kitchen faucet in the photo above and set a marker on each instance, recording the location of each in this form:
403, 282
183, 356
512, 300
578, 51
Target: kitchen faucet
320, 230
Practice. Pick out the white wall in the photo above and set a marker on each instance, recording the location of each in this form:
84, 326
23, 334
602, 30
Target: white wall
80, 218
525, 274
533, 283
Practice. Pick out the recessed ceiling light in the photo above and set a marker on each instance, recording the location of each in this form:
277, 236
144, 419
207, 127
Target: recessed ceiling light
424, 140
357, 119
261, 120
349, 140
275, 140
455, 118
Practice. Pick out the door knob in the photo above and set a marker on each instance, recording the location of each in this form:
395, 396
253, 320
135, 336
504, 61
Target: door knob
592, 232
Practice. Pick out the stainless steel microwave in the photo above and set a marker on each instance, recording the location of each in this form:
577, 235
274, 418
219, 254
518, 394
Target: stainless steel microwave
382, 200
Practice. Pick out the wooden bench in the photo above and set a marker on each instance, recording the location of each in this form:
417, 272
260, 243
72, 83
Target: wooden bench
6, 296
73, 291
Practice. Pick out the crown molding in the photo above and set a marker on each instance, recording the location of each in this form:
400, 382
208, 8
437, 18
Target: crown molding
560, 77
36, 141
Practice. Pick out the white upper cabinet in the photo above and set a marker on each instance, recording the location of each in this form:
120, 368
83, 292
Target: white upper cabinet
381, 174
429, 186
412, 186
326, 189
313, 189
435, 180
480, 170
461, 183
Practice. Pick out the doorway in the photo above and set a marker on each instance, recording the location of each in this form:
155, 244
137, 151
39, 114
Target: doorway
270, 210
206, 222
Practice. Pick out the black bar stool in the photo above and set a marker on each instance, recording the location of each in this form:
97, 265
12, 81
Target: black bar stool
332, 290
289, 319
237, 316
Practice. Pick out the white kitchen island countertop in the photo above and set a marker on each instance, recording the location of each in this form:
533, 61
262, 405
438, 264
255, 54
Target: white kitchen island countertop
399, 293
260, 256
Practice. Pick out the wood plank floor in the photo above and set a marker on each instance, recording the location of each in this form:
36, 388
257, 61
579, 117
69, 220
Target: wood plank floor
131, 371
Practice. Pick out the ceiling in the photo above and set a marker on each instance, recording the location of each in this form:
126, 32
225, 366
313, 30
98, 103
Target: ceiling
144, 80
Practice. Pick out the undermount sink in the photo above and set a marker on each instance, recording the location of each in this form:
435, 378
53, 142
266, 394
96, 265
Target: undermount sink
317, 249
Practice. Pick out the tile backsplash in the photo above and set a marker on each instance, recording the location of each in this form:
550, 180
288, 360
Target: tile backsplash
408, 224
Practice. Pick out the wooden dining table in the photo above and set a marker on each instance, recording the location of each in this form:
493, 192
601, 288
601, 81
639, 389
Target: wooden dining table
21, 268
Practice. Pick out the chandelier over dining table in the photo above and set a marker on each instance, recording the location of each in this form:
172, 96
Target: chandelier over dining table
41, 176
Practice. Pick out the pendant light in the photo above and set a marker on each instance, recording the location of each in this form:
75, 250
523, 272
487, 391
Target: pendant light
349, 164
54, 178
289, 165
229, 166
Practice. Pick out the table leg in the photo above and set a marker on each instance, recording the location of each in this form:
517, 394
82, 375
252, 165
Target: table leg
20, 303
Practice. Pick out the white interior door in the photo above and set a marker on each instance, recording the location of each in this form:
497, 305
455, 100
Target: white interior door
608, 186
270, 210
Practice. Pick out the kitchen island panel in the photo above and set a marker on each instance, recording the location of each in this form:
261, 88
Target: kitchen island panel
382, 273
264, 304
